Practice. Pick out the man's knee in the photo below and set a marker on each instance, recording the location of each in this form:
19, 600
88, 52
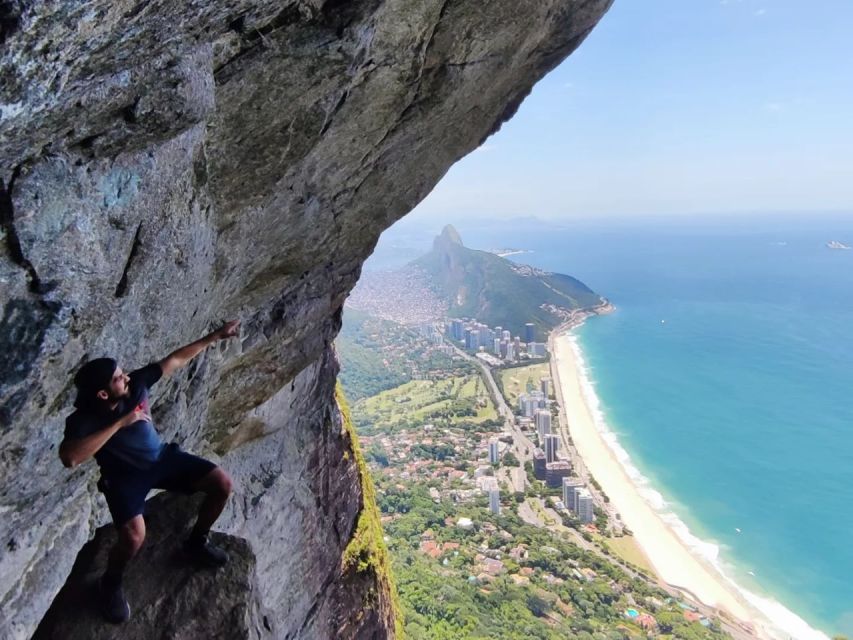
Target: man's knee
132, 533
220, 483
225, 484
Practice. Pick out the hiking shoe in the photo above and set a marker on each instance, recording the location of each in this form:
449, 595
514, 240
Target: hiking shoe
202, 552
113, 604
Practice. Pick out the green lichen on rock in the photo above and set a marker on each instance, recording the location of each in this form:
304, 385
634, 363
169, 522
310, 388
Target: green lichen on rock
366, 551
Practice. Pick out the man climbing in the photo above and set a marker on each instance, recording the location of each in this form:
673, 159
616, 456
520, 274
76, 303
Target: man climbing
113, 423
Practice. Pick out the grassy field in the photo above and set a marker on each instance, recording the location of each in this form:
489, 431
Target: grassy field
515, 381
628, 549
421, 400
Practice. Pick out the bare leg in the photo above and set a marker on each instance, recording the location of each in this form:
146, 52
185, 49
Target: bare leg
131, 535
217, 487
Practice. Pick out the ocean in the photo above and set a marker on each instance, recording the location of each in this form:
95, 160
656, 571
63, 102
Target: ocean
726, 377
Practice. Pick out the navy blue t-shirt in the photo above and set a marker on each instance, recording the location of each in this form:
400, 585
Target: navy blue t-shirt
137, 445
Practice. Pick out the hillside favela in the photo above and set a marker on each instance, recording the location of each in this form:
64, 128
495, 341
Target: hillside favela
426, 320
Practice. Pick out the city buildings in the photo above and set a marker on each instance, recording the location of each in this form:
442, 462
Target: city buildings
472, 339
569, 486
552, 444
584, 506
543, 424
536, 349
498, 340
493, 451
495, 500
545, 386
556, 471
528, 403
539, 463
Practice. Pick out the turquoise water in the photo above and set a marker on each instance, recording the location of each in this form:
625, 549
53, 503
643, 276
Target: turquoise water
739, 407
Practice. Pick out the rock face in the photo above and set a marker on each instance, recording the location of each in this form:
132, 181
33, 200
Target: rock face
169, 598
164, 166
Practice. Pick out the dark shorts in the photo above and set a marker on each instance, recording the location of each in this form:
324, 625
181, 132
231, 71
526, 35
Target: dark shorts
176, 470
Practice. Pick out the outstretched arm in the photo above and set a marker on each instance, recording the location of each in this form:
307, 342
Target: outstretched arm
182, 356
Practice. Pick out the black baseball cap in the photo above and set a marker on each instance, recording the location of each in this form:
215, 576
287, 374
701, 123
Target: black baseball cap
92, 377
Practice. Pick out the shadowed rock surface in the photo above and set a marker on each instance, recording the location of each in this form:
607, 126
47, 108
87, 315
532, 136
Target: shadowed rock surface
169, 598
165, 166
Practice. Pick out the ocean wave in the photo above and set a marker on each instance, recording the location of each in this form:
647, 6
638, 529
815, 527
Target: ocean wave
781, 622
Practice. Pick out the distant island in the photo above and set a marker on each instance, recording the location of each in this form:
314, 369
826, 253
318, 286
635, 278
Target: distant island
835, 244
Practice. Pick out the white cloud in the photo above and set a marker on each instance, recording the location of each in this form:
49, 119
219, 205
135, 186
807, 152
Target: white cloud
759, 12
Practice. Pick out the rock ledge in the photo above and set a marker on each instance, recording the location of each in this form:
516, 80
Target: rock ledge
169, 598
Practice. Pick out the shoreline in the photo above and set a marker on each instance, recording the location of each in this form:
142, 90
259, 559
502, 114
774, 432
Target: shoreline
676, 564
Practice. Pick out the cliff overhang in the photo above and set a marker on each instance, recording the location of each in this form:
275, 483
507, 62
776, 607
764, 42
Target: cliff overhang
164, 166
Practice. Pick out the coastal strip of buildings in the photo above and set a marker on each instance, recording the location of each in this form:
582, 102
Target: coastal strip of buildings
534, 413
549, 464
496, 342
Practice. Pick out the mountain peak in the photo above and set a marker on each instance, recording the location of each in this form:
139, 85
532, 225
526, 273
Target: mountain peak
496, 291
449, 235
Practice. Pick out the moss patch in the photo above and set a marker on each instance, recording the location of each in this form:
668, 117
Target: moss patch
366, 551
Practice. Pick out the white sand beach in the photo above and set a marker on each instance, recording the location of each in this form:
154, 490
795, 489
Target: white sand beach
671, 558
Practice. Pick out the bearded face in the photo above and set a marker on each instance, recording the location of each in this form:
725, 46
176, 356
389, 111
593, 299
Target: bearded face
119, 386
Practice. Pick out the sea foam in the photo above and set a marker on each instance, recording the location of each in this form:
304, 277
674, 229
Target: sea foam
779, 622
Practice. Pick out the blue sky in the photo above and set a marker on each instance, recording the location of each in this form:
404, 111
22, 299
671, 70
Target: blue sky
674, 107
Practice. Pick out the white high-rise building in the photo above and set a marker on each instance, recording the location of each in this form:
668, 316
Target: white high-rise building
493, 451
510, 351
497, 346
584, 506
495, 501
544, 386
552, 444
569, 486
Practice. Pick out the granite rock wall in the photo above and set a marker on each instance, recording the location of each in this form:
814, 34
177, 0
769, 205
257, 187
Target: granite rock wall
165, 166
